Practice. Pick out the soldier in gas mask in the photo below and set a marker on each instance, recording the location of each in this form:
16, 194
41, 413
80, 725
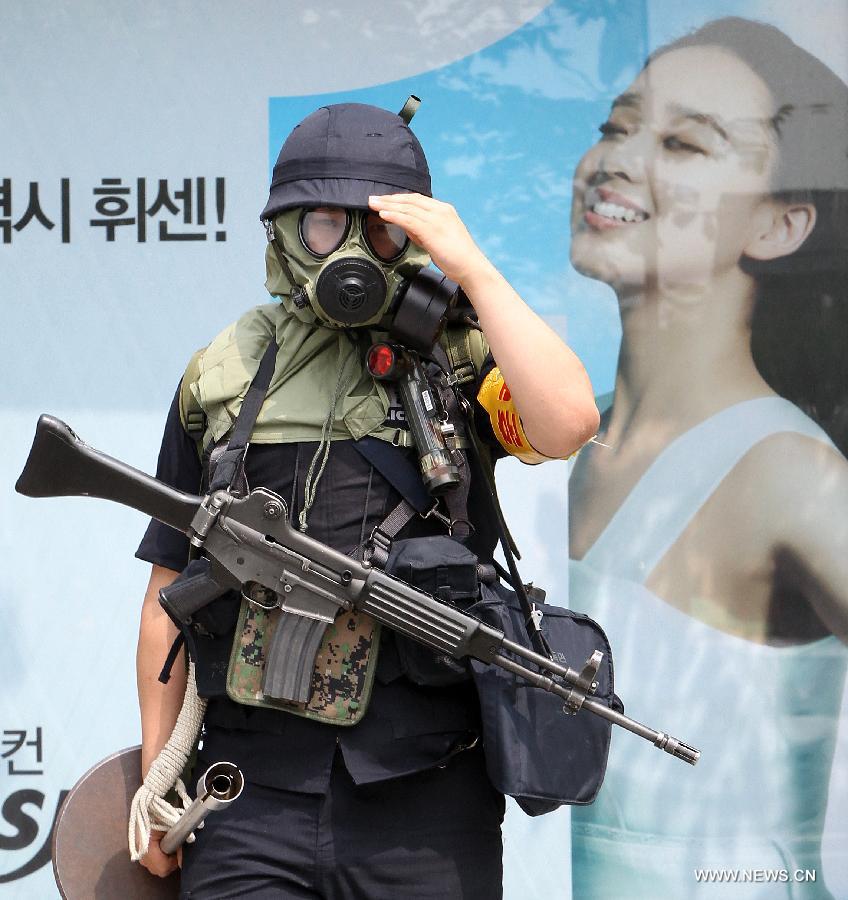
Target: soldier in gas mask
340, 802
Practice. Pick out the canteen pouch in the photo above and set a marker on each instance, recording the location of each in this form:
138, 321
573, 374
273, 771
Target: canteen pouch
535, 752
206, 615
342, 676
446, 569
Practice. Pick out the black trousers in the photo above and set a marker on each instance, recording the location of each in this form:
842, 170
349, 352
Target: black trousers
434, 835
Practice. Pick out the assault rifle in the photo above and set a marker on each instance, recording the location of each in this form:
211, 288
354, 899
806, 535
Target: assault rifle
251, 544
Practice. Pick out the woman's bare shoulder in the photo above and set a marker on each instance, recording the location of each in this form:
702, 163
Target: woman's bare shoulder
805, 456
800, 481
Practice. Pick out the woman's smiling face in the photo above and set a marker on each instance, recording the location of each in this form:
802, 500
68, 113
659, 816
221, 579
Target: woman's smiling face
669, 195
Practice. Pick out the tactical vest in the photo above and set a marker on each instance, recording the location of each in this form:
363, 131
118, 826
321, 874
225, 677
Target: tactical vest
218, 376
346, 659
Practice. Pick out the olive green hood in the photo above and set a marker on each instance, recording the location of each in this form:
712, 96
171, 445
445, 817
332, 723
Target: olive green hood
307, 374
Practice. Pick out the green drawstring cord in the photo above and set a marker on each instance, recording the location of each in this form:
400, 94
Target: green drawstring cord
310, 487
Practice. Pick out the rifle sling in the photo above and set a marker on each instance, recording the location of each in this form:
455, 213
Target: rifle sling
394, 465
537, 639
227, 467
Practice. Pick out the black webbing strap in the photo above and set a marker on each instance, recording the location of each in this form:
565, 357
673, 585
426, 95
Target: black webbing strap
171, 658
227, 467
456, 499
394, 465
376, 549
298, 294
531, 620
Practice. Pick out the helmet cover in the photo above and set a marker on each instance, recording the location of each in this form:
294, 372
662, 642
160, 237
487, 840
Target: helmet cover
341, 154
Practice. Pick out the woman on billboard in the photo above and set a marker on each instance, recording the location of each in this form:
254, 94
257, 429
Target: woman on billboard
709, 535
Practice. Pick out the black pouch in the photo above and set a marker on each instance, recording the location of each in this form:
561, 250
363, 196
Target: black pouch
446, 569
536, 752
206, 615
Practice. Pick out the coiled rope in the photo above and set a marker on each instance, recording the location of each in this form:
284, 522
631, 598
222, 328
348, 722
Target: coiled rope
149, 810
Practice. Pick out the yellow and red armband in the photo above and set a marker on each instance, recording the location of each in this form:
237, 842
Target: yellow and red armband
495, 398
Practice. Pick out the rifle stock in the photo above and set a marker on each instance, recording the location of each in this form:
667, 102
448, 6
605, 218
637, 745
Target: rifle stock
61, 465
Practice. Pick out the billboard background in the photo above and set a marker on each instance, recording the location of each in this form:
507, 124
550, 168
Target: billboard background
97, 331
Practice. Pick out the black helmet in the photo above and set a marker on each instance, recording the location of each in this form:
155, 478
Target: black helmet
340, 154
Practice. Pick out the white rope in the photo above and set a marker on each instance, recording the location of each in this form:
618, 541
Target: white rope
149, 810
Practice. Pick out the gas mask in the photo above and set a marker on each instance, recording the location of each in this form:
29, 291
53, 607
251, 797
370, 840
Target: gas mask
347, 266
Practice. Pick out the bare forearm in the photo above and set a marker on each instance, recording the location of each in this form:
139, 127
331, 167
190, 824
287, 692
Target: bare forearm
548, 383
159, 703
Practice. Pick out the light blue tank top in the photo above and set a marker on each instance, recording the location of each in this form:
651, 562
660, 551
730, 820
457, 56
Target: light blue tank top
765, 718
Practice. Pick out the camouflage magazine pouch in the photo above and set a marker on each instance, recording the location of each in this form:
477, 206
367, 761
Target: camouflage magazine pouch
341, 678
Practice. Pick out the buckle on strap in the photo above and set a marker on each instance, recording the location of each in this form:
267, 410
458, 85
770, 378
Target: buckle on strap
433, 511
460, 375
377, 548
196, 424
536, 616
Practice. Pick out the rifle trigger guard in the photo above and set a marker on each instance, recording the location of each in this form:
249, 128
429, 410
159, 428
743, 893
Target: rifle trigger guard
260, 597
206, 516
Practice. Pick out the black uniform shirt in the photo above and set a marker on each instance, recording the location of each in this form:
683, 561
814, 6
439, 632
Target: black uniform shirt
407, 727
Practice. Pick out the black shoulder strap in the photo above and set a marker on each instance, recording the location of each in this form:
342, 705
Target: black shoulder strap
394, 465
227, 466
528, 609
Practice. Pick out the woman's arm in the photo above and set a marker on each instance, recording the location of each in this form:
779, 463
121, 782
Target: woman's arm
814, 529
547, 381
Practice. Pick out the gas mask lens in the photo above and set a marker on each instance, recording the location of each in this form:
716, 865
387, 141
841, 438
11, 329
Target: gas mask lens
325, 229
385, 240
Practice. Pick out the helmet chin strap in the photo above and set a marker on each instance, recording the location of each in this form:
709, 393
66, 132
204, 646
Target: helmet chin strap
298, 294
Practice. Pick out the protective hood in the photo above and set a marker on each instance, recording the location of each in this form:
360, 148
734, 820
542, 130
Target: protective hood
309, 364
